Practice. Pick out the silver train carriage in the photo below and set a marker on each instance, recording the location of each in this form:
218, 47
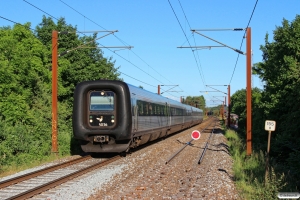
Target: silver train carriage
113, 116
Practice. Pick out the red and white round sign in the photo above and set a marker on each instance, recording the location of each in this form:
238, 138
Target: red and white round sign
196, 135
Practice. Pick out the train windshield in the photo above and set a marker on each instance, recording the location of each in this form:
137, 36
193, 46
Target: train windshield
102, 101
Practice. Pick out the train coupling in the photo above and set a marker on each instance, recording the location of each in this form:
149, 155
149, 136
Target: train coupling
101, 138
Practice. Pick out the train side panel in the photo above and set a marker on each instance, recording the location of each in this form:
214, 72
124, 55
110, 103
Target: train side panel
155, 116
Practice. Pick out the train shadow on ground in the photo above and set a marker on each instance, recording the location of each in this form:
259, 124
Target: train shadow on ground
103, 155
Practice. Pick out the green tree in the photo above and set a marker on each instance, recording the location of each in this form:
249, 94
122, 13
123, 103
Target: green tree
22, 65
82, 62
24, 82
25, 87
239, 107
280, 70
196, 101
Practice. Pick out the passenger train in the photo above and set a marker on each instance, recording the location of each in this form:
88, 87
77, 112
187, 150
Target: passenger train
113, 116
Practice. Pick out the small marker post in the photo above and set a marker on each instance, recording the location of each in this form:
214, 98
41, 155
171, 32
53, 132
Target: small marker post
269, 126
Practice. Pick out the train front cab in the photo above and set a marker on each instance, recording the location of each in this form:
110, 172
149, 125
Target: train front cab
102, 116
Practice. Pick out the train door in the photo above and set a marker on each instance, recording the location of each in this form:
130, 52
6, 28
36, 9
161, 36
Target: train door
168, 114
134, 107
183, 115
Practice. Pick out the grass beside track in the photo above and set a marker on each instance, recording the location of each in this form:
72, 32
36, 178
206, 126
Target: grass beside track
9, 170
249, 171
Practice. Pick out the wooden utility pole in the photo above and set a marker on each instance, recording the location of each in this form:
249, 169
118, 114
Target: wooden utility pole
158, 89
55, 75
249, 94
54, 91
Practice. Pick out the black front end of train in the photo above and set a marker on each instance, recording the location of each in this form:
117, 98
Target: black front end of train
102, 116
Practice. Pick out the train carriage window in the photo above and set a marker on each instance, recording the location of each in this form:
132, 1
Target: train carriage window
162, 110
132, 106
150, 108
145, 108
166, 110
140, 107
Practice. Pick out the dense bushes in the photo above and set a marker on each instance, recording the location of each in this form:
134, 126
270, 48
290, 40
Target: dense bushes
25, 88
279, 100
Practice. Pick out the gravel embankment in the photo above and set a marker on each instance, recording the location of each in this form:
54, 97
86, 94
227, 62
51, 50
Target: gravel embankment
144, 174
148, 177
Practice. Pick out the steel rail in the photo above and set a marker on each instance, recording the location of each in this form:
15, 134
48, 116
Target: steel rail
203, 152
188, 143
177, 152
30, 175
54, 183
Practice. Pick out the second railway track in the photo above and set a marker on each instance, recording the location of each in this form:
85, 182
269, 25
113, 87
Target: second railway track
24, 187
34, 183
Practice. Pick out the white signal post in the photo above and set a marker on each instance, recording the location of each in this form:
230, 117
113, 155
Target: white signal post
269, 126
196, 135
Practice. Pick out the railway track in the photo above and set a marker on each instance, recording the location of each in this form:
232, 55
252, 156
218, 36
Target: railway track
183, 177
28, 185
191, 141
37, 182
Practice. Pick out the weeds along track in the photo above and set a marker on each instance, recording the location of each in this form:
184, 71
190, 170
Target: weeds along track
28, 185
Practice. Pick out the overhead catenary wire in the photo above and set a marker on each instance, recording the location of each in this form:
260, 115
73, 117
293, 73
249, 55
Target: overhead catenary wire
202, 74
193, 50
74, 49
124, 44
243, 41
15, 22
93, 40
117, 38
40, 9
132, 64
186, 38
100, 44
137, 79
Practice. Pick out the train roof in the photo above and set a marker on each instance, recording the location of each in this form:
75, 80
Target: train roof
145, 95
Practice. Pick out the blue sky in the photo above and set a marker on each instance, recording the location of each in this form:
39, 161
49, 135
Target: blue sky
152, 28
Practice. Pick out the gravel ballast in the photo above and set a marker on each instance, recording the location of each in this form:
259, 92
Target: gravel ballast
144, 174
148, 177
